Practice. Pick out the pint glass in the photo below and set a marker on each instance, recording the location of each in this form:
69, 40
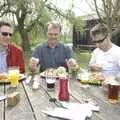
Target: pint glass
14, 76
113, 92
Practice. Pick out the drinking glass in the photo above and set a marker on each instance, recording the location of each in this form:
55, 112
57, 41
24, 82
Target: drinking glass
50, 83
113, 91
14, 76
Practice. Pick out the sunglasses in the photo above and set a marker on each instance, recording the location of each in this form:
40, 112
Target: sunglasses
100, 41
6, 34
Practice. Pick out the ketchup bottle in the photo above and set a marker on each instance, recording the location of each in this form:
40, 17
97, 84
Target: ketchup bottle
63, 90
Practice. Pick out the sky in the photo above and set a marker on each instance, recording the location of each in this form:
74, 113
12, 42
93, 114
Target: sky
82, 7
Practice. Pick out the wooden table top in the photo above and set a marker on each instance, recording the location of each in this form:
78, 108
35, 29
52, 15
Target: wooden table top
33, 101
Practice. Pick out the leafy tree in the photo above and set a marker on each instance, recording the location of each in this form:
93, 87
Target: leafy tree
79, 24
108, 12
30, 17
26, 14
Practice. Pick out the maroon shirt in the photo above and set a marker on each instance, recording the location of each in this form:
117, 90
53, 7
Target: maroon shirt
15, 57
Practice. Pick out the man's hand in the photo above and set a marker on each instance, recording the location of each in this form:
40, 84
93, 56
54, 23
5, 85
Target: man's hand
33, 64
71, 62
73, 66
96, 68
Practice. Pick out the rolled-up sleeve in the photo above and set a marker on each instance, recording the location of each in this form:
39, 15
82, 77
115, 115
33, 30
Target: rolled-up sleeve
69, 53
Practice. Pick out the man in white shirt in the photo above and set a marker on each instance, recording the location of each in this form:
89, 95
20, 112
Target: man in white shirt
106, 57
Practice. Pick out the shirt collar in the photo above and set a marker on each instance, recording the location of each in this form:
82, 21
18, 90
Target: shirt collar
3, 48
58, 45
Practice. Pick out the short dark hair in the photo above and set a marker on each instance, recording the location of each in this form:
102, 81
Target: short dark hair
2, 23
99, 29
55, 25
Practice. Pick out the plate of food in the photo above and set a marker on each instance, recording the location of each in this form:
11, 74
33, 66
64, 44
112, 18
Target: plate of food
55, 73
49, 72
96, 78
4, 78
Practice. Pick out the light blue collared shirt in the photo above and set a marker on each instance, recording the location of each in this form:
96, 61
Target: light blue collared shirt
3, 56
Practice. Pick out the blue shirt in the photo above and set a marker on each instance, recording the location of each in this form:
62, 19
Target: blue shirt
3, 62
52, 57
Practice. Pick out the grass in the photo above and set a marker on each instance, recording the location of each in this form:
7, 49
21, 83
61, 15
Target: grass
82, 57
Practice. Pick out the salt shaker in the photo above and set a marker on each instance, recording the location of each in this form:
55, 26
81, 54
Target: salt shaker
63, 90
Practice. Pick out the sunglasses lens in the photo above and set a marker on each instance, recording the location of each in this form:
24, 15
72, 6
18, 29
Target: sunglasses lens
100, 41
10, 34
6, 34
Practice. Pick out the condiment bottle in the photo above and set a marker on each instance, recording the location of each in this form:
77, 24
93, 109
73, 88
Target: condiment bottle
63, 90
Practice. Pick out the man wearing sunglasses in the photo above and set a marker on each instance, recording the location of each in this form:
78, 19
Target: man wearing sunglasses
10, 54
106, 57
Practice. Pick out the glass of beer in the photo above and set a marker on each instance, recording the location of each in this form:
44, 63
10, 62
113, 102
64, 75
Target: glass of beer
50, 83
113, 91
14, 76
84, 77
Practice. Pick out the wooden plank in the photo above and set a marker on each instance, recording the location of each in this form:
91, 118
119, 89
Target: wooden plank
22, 111
107, 111
2, 102
40, 99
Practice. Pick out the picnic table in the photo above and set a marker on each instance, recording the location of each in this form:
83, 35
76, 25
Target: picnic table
33, 101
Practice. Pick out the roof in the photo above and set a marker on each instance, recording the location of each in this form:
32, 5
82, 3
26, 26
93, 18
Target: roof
90, 16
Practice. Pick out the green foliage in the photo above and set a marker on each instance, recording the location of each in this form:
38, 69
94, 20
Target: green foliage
16, 38
82, 57
38, 41
31, 17
79, 24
